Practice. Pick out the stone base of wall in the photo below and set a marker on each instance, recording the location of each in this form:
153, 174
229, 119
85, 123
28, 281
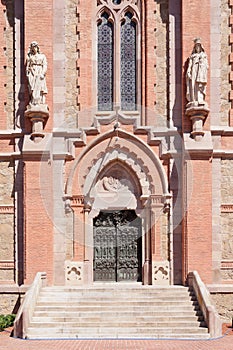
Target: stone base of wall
10, 298
222, 298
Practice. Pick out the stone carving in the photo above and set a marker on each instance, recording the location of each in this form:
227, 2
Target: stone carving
112, 184
196, 75
74, 273
36, 68
160, 273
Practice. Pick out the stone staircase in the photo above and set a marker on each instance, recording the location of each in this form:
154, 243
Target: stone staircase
117, 311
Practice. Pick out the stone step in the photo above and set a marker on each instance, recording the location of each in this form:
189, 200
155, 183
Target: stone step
94, 298
87, 292
167, 314
117, 311
187, 336
114, 331
122, 303
116, 317
116, 323
119, 308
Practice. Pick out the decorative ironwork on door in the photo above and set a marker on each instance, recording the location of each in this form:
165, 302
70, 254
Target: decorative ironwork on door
117, 246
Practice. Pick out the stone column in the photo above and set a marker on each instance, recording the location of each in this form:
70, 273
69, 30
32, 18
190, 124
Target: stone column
147, 263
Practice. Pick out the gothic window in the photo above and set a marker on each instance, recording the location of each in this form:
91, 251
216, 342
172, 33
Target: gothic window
128, 63
117, 54
105, 64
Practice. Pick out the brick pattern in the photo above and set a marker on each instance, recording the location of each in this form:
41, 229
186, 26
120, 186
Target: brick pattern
196, 23
198, 242
7, 64
39, 27
86, 60
38, 233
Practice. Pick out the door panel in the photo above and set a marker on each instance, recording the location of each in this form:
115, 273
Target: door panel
127, 253
117, 246
105, 254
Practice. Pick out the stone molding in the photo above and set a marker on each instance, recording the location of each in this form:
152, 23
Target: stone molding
7, 209
7, 265
231, 62
77, 201
226, 264
227, 208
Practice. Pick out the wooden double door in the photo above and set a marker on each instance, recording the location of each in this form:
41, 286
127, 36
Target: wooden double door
117, 246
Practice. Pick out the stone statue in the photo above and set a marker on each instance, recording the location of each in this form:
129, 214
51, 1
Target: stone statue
196, 76
36, 67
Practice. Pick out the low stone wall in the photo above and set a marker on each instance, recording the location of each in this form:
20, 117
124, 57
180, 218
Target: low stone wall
11, 298
224, 305
222, 298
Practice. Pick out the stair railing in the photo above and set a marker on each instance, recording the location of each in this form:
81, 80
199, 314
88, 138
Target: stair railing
25, 312
210, 314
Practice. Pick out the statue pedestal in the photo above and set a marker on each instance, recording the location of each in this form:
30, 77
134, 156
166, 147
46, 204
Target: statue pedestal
38, 114
197, 114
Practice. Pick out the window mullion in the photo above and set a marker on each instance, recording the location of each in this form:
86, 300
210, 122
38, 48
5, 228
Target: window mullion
117, 63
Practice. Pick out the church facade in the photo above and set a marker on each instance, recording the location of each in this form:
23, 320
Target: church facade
116, 143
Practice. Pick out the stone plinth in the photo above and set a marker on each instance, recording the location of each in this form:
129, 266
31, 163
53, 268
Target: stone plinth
197, 114
38, 114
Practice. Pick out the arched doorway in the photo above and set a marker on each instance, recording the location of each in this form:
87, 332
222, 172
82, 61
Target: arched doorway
117, 252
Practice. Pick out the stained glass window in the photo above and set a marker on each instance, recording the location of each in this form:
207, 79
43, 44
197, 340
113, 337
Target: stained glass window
105, 64
128, 64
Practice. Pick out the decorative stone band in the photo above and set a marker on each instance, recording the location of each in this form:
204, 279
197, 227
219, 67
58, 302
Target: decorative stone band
227, 264
227, 208
7, 209
7, 265
77, 201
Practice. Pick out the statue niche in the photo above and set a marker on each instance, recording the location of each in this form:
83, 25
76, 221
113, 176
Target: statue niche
37, 110
196, 80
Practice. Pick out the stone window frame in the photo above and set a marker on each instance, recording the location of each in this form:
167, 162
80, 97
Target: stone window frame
117, 14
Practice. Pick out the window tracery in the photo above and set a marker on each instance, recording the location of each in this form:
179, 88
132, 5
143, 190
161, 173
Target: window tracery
105, 64
118, 29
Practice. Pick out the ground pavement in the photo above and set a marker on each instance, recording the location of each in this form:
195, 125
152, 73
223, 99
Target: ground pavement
223, 343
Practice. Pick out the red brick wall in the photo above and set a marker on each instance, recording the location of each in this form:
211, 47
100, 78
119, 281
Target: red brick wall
197, 244
3, 65
38, 224
195, 23
39, 27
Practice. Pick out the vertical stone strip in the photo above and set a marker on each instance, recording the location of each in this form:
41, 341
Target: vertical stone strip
231, 61
161, 59
71, 51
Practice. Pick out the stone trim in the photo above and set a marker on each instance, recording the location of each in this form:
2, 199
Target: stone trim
77, 201
231, 63
7, 209
226, 264
227, 208
220, 288
7, 265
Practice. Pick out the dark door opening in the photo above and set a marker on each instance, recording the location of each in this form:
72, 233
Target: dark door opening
117, 246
